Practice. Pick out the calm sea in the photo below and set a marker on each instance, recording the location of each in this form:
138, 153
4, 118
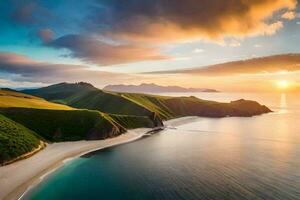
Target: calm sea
214, 159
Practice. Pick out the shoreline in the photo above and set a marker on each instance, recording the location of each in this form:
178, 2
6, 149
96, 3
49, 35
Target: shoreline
19, 177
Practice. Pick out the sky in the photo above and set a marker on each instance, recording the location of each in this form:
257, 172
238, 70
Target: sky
237, 45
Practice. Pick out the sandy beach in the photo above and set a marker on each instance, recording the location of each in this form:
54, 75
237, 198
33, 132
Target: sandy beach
16, 178
180, 121
19, 176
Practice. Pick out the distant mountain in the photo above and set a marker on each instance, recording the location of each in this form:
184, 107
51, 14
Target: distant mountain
153, 88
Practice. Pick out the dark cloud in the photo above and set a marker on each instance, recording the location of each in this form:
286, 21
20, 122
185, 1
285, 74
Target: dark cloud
158, 20
270, 64
165, 20
95, 51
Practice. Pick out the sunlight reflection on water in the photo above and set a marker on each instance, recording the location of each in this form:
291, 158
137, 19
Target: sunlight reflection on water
283, 104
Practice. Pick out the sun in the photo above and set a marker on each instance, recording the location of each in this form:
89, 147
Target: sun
283, 84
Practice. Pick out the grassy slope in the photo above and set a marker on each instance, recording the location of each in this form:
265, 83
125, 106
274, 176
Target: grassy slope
60, 91
84, 95
10, 98
131, 122
170, 107
25, 119
15, 139
57, 122
106, 102
65, 125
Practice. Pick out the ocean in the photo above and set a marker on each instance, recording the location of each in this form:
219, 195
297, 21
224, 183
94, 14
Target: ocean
210, 159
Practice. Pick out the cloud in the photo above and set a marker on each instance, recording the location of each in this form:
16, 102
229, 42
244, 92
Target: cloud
19, 68
177, 20
271, 64
24, 13
135, 29
29, 13
289, 15
23, 84
92, 50
234, 43
19, 64
197, 50
46, 35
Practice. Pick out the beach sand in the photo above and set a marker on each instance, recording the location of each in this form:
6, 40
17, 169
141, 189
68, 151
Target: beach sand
19, 176
16, 178
180, 121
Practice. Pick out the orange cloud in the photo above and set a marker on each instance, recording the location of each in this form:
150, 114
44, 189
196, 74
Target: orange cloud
289, 15
271, 64
92, 50
177, 20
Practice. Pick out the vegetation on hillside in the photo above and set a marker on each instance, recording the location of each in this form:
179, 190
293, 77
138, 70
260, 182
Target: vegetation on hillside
106, 102
10, 98
84, 95
171, 107
53, 122
15, 140
131, 122
60, 90
65, 125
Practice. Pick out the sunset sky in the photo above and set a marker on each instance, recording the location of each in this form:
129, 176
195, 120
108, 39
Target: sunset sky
190, 43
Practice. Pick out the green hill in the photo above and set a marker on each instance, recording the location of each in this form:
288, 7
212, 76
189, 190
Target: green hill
65, 125
10, 98
145, 105
15, 140
171, 107
60, 90
58, 122
84, 95
25, 120
131, 121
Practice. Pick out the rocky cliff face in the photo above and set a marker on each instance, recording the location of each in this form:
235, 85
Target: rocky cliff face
157, 121
96, 134
246, 108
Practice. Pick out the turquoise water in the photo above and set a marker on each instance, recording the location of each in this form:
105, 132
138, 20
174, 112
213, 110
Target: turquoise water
213, 159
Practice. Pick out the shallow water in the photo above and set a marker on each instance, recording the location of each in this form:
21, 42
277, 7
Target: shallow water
228, 158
